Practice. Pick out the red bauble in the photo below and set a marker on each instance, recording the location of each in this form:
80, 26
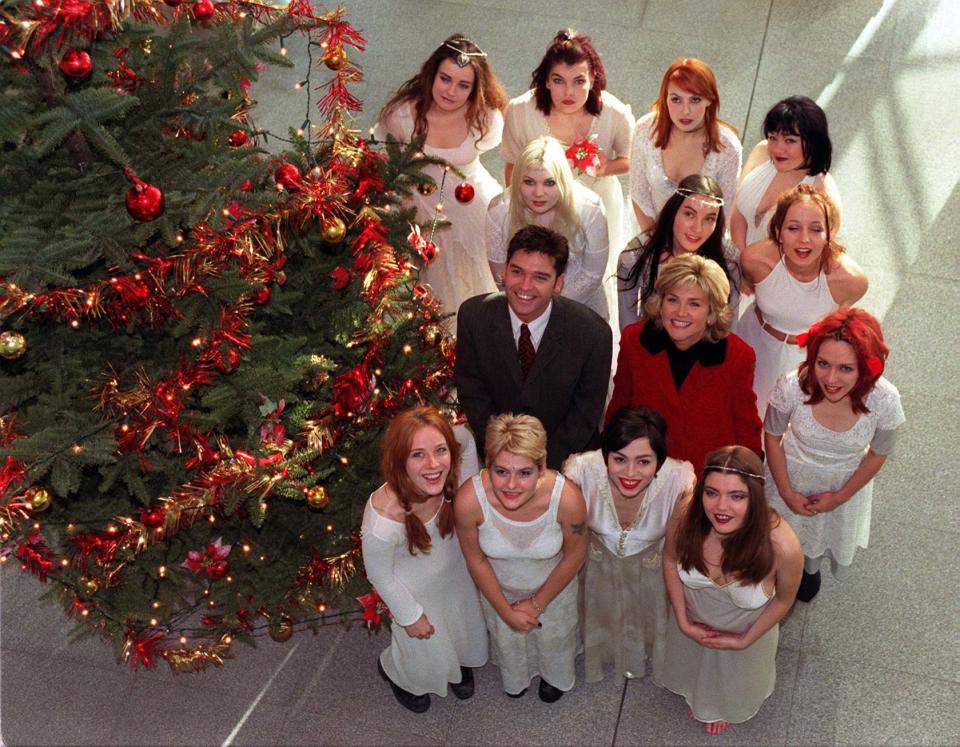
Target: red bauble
288, 176
262, 296
145, 202
464, 193
238, 138
203, 10
76, 64
152, 517
428, 251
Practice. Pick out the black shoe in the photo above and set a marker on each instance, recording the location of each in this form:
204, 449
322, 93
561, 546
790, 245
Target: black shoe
464, 688
548, 693
809, 586
517, 695
415, 703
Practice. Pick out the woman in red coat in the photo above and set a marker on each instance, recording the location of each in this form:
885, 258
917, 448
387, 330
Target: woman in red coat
683, 363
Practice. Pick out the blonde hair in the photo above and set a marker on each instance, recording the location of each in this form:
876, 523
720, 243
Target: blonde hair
708, 276
546, 153
522, 435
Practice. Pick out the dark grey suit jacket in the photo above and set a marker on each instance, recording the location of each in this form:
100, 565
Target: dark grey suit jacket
566, 388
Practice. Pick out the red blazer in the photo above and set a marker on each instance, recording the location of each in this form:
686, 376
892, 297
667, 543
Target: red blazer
716, 406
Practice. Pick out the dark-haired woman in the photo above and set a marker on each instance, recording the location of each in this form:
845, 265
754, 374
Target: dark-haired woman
631, 487
732, 567
828, 430
413, 559
457, 101
568, 100
797, 150
692, 221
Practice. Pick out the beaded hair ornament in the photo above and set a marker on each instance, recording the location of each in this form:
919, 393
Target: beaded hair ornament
463, 58
725, 468
710, 200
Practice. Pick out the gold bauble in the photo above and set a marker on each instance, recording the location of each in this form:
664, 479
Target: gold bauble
39, 499
90, 585
12, 345
317, 497
427, 188
336, 58
432, 334
332, 230
283, 630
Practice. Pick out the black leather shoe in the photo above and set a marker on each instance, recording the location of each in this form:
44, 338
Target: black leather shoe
809, 586
517, 695
464, 688
415, 703
548, 693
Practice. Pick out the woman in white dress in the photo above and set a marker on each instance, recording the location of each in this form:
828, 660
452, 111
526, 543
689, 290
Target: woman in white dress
691, 221
568, 100
682, 135
799, 275
544, 193
828, 430
731, 565
797, 150
631, 487
523, 529
457, 102
413, 559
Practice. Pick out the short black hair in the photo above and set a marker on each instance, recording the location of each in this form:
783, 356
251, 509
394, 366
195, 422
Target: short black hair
630, 423
799, 115
544, 241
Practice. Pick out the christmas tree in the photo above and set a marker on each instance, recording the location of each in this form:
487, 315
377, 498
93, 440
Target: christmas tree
201, 343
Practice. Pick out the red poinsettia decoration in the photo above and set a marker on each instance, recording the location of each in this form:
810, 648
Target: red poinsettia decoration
211, 562
373, 609
584, 155
272, 431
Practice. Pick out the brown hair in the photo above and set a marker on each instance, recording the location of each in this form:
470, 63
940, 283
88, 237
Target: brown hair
861, 331
393, 466
747, 553
697, 77
808, 193
569, 48
487, 94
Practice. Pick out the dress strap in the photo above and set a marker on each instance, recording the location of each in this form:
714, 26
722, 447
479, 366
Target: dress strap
477, 482
555, 495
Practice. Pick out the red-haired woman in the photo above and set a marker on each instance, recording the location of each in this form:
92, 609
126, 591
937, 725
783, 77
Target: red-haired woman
457, 101
568, 100
800, 274
828, 430
413, 559
682, 135
731, 566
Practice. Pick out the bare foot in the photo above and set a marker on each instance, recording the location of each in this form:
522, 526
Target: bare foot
716, 727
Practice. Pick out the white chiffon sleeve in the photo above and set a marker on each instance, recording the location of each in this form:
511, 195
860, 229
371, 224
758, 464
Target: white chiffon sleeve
595, 248
496, 236
513, 131
641, 151
379, 560
396, 122
494, 134
728, 165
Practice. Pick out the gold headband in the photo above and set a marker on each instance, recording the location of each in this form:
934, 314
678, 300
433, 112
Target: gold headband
710, 200
463, 58
725, 468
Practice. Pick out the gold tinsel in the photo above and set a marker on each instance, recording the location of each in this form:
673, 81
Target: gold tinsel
198, 658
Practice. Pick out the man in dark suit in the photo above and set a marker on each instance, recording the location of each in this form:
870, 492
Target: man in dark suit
528, 350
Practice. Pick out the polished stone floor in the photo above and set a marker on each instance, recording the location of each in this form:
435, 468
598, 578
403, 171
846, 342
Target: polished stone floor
875, 660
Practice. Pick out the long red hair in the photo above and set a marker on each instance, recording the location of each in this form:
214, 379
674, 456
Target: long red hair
862, 332
393, 466
694, 76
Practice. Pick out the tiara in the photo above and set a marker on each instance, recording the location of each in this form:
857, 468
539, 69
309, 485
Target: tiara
463, 58
725, 468
710, 200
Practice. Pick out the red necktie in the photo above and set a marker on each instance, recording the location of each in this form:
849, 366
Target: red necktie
525, 350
